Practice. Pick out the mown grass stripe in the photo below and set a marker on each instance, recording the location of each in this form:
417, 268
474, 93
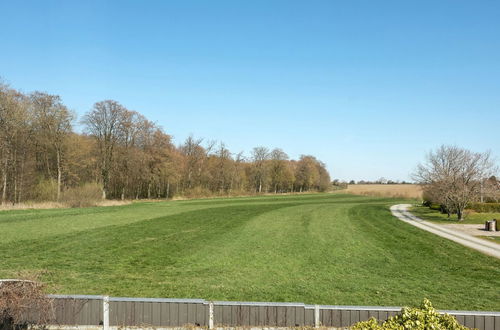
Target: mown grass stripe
325, 248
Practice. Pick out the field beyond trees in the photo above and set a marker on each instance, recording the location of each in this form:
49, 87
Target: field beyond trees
386, 190
316, 248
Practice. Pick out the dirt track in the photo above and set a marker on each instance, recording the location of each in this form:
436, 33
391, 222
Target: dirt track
401, 212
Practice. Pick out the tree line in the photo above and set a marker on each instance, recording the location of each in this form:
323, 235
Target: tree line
128, 156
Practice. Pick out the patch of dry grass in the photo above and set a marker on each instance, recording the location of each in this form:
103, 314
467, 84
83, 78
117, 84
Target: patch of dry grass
114, 203
54, 205
386, 190
31, 205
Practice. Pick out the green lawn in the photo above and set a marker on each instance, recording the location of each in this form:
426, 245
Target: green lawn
436, 216
318, 248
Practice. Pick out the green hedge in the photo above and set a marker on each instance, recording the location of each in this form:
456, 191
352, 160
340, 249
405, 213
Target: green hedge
484, 207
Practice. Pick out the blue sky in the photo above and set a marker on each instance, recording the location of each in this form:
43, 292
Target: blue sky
366, 86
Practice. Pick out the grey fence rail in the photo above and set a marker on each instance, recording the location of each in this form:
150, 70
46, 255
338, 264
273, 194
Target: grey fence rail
150, 312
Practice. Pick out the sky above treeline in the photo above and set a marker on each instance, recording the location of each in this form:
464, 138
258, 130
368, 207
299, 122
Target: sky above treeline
368, 87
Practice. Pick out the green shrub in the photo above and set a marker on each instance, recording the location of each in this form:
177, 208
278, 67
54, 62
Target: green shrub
89, 194
484, 207
44, 191
423, 318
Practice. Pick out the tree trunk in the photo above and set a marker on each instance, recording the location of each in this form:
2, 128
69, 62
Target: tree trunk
59, 174
15, 179
460, 214
4, 185
105, 185
15, 190
21, 180
168, 189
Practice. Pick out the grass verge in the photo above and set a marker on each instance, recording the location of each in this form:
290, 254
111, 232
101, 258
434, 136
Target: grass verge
471, 217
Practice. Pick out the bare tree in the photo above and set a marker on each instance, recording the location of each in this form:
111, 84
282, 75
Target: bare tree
259, 156
455, 175
104, 123
279, 170
194, 155
15, 136
53, 122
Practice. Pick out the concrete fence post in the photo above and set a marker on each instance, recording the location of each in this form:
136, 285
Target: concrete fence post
211, 315
105, 313
316, 316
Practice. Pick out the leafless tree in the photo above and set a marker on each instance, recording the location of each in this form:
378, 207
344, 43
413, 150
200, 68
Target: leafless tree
53, 123
104, 123
454, 176
259, 156
194, 154
15, 136
280, 172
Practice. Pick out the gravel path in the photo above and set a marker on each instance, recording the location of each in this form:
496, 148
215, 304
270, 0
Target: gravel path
401, 212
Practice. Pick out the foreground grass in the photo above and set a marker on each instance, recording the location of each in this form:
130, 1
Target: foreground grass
319, 248
436, 216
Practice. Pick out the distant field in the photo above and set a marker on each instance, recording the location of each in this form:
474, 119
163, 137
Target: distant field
317, 248
386, 190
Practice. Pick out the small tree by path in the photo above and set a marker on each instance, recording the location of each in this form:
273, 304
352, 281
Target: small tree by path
452, 176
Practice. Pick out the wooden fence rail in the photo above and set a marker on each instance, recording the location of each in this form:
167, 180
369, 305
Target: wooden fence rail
143, 312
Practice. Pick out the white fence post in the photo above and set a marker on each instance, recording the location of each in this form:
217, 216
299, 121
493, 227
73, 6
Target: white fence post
316, 316
211, 315
105, 312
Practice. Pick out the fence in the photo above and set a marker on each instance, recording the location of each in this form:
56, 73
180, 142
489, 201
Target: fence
142, 312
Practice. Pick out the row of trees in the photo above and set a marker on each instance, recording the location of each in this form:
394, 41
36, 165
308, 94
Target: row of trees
454, 177
128, 156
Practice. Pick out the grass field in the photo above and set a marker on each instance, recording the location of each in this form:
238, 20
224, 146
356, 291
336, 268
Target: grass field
386, 190
318, 248
436, 216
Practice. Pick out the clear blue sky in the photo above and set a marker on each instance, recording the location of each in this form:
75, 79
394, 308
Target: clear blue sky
366, 86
